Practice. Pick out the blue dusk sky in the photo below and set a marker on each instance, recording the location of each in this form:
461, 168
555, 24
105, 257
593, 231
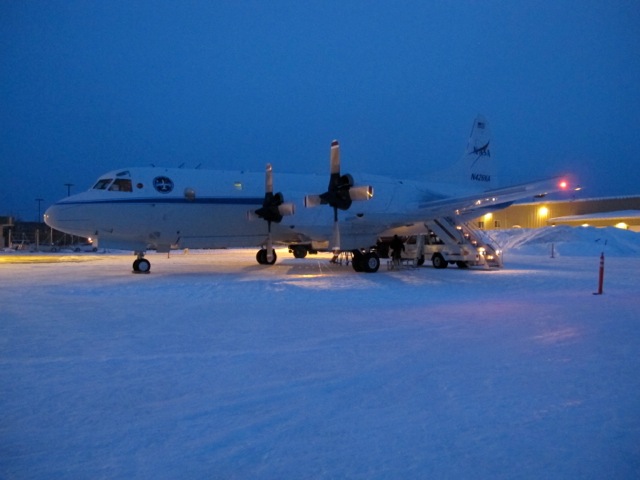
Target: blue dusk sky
90, 86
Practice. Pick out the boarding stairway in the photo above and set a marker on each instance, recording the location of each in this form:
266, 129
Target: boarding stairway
462, 244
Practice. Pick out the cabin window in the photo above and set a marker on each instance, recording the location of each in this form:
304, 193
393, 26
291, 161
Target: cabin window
102, 184
121, 185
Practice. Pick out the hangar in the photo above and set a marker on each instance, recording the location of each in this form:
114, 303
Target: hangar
621, 212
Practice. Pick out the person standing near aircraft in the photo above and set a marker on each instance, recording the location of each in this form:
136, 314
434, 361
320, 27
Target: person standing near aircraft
397, 246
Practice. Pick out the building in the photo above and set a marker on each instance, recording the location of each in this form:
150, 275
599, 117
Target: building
621, 212
29, 235
5, 225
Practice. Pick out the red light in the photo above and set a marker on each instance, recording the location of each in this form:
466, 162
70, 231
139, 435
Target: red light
563, 184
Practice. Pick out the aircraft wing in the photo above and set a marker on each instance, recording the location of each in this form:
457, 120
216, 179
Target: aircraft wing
471, 206
493, 199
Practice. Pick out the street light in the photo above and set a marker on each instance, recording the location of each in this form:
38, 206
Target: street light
39, 200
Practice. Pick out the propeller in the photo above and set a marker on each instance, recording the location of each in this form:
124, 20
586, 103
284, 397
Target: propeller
273, 209
340, 193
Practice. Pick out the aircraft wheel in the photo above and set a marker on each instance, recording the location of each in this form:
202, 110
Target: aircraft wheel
299, 251
357, 261
438, 261
371, 262
261, 257
141, 265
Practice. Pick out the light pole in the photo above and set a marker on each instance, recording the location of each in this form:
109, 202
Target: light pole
39, 200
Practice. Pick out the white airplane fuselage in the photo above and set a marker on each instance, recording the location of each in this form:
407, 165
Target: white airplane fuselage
186, 208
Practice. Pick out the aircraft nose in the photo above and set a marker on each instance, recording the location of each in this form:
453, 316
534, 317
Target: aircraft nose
51, 216
69, 217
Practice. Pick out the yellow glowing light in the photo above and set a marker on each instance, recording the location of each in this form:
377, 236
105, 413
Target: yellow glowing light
488, 216
584, 225
622, 225
543, 211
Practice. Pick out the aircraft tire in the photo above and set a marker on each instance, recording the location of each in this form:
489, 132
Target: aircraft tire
299, 251
438, 261
357, 261
144, 266
141, 265
261, 257
371, 262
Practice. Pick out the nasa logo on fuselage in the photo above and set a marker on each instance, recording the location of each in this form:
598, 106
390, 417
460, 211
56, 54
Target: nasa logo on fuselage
163, 184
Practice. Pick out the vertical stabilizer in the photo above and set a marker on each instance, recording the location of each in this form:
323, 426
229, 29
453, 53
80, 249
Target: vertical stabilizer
475, 169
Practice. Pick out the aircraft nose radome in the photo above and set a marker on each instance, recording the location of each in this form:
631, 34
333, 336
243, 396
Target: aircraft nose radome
49, 216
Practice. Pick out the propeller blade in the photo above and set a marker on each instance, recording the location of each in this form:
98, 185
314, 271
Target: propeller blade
270, 199
312, 201
335, 158
273, 206
287, 209
268, 179
335, 241
269, 245
340, 193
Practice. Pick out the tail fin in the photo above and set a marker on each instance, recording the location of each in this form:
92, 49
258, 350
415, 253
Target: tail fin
475, 169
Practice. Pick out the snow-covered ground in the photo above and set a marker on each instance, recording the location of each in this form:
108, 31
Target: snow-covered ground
213, 366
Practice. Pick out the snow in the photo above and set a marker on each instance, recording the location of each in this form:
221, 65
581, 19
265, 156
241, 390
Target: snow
213, 366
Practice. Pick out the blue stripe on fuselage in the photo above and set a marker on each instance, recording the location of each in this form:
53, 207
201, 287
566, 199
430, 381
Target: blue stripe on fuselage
209, 201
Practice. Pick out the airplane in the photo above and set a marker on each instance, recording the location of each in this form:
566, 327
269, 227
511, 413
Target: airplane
143, 208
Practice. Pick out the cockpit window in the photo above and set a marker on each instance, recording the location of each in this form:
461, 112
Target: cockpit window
117, 185
121, 185
102, 184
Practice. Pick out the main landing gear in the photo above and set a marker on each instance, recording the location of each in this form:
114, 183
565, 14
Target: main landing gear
367, 262
141, 264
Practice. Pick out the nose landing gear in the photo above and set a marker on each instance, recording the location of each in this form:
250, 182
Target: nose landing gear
141, 264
